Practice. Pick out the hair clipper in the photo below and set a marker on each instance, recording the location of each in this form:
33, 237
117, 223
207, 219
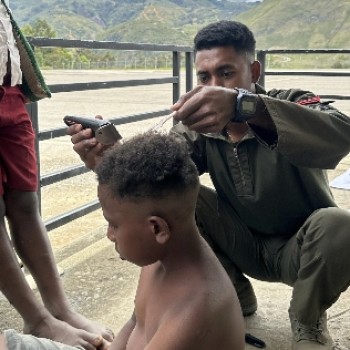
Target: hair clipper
103, 130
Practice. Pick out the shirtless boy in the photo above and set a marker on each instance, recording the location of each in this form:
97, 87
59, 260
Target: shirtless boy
148, 189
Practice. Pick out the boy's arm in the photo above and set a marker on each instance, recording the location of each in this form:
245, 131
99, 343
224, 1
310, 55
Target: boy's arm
121, 340
192, 328
183, 331
177, 333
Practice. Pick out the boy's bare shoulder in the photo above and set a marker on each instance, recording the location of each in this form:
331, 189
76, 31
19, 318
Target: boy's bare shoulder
196, 307
200, 318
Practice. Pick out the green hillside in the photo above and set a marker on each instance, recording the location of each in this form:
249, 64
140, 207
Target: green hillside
300, 24
275, 23
151, 21
162, 23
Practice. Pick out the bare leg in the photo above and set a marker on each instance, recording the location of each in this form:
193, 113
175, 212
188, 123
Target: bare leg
36, 317
33, 247
12, 282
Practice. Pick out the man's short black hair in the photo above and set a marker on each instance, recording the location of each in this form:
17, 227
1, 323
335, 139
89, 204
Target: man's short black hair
150, 165
225, 33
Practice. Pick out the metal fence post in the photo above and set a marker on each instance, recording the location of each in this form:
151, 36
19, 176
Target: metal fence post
176, 73
261, 56
189, 71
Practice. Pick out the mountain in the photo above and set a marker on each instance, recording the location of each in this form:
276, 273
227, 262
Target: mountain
152, 21
168, 22
275, 23
300, 24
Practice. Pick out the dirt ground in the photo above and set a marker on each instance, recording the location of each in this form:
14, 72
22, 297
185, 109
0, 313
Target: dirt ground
97, 283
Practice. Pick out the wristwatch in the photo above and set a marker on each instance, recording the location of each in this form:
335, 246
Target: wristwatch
245, 106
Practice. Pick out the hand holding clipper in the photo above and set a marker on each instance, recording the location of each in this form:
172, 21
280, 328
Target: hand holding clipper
103, 130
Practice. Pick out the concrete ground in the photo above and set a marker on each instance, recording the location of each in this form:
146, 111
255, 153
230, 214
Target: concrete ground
101, 286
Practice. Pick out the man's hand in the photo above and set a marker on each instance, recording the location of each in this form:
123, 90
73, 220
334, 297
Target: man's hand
87, 147
206, 109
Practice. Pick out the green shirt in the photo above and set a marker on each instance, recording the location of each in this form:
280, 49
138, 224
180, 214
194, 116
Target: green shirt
274, 186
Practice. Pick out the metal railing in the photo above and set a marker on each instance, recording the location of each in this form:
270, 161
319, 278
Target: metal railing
262, 55
174, 79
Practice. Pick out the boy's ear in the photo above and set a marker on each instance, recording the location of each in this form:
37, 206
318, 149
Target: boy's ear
160, 229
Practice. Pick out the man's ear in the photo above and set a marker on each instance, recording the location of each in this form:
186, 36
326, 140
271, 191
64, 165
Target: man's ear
160, 229
255, 70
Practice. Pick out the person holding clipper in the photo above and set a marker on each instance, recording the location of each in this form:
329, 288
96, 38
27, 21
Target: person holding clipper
271, 215
55, 319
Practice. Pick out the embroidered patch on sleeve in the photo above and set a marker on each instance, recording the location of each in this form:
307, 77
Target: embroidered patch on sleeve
309, 100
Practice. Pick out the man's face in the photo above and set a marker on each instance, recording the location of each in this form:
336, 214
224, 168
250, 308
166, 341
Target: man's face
223, 66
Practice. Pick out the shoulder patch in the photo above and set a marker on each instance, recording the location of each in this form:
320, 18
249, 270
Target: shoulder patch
309, 100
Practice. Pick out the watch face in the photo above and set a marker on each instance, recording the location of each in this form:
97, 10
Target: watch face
248, 104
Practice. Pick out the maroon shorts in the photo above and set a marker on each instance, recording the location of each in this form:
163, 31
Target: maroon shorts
18, 166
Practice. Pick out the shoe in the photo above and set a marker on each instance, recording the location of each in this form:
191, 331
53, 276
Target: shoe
314, 337
246, 296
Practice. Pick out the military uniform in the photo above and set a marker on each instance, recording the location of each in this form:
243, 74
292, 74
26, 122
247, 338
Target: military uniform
272, 213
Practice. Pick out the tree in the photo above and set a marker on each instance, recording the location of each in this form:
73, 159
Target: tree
40, 28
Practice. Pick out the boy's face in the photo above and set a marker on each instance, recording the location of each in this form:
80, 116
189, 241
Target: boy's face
223, 66
128, 227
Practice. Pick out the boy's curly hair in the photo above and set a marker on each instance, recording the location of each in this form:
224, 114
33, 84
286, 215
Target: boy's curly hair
225, 33
148, 165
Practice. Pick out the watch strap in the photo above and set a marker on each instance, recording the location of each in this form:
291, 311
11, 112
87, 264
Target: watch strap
239, 116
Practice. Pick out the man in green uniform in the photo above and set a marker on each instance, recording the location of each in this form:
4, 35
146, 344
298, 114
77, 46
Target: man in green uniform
272, 215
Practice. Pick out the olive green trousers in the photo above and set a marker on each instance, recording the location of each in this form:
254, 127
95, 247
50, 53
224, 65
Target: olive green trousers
315, 261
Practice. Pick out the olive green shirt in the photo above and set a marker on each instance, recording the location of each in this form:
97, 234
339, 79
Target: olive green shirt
275, 185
